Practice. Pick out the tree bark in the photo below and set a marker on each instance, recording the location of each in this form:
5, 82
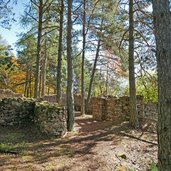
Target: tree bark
132, 88
70, 99
26, 83
93, 72
44, 70
40, 82
162, 22
59, 67
95, 65
37, 74
30, 83
83, 62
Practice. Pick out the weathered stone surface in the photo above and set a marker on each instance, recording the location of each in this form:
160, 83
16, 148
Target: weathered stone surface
7, 93
98, 108
50, 118
16, 111
112, 108
77, 100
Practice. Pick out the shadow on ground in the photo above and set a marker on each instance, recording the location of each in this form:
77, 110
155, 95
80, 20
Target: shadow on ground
78, 150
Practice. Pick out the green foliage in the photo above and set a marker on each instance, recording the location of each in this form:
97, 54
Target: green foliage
77, 74
154, 167
7, 147
6, 13
147, 87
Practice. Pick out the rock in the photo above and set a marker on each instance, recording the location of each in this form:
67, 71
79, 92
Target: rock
122, 155
49, 118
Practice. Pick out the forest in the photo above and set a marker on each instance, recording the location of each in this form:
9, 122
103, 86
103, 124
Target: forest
92, 49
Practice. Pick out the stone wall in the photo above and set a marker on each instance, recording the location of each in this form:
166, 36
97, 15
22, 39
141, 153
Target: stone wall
6, 93
52, 99
150, 111
113, 108
77, 100
98, 108
49, 118
15, 111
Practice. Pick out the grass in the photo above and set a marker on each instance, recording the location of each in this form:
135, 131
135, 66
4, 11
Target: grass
9, 147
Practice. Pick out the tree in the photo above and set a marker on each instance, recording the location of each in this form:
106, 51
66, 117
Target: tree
162, 22
59, 67
83, 60
132, 88
6, 13
40, 23
70, 101
26, 49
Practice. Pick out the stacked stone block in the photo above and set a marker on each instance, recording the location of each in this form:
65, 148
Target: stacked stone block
112, 108
15, 111
150, 111
98, 108
49, 118
125, 107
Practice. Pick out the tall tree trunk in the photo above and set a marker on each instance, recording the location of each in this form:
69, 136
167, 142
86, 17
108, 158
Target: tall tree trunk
59, 67
44, 70
93, 72
26, 83
70, 99
37, 74
48, 89
83, 62
162, 21
40, 82
30, 85
107, 79
132, 88
94, 66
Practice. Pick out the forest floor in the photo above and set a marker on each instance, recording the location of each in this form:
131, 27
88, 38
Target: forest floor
93, 146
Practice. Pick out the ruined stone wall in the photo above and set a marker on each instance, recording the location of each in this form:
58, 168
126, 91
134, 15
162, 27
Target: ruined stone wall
112, 108
52, 99
15, 111
49, 118
98, 108
150, 111
6, 93
77, 100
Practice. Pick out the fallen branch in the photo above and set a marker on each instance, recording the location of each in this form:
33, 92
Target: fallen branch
9, 152
130, 136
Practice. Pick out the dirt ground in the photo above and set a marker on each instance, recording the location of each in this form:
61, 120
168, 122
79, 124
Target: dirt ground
93, 146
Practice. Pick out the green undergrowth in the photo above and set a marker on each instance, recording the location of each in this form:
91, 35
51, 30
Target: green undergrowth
9, 147
153, 167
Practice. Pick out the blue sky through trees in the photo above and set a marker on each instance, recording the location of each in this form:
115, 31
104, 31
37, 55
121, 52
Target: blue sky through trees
10, 35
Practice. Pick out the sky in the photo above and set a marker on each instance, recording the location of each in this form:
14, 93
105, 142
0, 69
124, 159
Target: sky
11, 35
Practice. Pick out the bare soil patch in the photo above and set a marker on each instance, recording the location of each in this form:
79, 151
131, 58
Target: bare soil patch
93, 146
